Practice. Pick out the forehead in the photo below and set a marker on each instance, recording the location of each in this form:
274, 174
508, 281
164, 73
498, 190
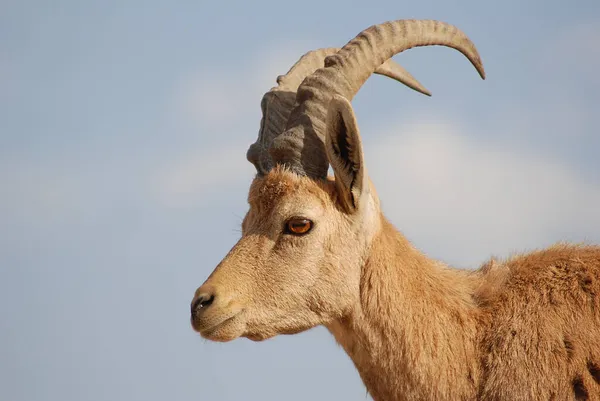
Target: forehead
280, 187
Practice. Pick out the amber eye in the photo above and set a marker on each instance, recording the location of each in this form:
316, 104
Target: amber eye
298, 226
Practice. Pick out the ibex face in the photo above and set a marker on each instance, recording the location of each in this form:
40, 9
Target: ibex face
306, 237
298, 262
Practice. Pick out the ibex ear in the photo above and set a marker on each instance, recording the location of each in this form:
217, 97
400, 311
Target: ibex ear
345, 154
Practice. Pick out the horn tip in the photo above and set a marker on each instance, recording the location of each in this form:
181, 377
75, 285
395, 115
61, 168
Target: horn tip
478, 64
481, 71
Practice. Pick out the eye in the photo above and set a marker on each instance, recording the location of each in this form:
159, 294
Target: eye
298, 226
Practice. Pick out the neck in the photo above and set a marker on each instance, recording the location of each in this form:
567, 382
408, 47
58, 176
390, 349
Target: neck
412, 334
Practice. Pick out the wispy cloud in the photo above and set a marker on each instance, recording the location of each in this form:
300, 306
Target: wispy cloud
467, 200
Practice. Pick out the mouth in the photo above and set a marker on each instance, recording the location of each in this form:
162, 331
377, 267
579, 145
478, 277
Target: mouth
227, 329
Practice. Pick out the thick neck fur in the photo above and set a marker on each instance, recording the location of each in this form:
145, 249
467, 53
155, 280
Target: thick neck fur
415, 319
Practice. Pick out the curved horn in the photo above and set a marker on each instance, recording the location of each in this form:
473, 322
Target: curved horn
278, 103
300, 147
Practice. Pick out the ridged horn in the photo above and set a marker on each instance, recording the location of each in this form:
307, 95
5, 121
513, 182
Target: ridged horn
278, 103
300, 147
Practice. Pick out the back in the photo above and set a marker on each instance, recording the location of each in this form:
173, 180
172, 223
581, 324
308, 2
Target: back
541, 326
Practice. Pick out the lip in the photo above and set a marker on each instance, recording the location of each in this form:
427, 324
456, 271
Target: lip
224, 330
200, 328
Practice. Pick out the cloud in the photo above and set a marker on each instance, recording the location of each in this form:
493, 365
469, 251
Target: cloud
212, 101
463, 197
195, 177
467, 200
458, 199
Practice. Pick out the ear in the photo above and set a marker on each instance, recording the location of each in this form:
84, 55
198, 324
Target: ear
345, 154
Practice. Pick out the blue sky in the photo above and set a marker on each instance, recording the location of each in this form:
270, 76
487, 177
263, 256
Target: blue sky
123, 132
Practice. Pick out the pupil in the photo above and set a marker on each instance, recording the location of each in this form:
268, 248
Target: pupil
299, 225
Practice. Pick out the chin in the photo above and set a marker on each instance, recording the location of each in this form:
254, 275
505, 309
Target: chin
226, 331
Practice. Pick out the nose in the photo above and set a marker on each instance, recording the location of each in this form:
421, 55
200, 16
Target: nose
202, 301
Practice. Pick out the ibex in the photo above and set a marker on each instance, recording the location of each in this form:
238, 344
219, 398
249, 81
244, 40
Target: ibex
317, 250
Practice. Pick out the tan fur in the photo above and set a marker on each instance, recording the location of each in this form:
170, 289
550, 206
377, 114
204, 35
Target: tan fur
526, 328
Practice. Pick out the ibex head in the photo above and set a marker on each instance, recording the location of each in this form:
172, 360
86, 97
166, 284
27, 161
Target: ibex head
306, 236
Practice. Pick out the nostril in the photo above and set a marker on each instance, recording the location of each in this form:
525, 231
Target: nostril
206, 301
203, 301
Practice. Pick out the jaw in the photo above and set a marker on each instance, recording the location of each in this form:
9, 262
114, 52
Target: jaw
233, 326
266, 334
287, 325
